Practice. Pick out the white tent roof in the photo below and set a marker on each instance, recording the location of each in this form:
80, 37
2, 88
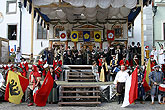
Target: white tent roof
87, 10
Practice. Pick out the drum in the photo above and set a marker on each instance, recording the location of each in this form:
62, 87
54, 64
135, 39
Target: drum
115, 70
162, 87
58, 70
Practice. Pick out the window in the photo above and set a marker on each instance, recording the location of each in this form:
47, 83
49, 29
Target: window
163, 31
12, 32
11, 7
41, 32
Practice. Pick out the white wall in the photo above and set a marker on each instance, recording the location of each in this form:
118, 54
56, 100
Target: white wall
26, 30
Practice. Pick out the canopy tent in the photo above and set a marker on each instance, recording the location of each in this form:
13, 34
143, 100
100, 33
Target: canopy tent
82, 11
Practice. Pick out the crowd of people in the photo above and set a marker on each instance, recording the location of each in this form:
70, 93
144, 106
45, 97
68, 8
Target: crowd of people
111, 64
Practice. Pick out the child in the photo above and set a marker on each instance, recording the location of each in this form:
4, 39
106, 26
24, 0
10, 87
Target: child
95, 71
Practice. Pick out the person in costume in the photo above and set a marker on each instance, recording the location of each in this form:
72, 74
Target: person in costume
51, 97
24, 66
154, 52
41, 63
104, 71
119, 82
113, 65
147, 52
100, 61
134, 62
124, 62
155, 79
153, 62
95, 71
141, 91
34, 83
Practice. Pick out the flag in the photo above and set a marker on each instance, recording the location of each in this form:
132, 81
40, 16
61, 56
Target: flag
110, 35
86, 36
41, 95
146, 77
131, 89
63, 36
97, 36
74, 36
16, 86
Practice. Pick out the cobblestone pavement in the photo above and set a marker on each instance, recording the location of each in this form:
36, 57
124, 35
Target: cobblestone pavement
103, 106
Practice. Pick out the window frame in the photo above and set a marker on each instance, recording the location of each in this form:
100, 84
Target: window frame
16, 31
42, 33
7, 6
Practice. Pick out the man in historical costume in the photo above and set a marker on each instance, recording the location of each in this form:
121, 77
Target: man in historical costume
41, 63
153, 62
24, 66
34, 83
100, 61
155, 79
118, 53
133, 50
104, 71
138, 49
119, 82
141, 91
134, 62
113, 65
124, 62
161, 55
154, 52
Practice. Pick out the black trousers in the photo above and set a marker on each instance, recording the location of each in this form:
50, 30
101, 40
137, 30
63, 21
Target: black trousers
121, 91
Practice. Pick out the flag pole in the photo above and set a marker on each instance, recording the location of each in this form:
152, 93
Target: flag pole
32, 33
142, 35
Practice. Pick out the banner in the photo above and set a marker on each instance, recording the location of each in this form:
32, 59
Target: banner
110, 35
16, 86
41, 95
97, 36
86, 36
74, 36
63, 36
131, 89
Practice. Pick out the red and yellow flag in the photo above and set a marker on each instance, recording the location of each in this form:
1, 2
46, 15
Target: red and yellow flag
16, 86
146, 77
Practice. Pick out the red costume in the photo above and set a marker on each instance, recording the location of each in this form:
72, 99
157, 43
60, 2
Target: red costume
125, 63
34, 74
41, 64
24, 67
153, 63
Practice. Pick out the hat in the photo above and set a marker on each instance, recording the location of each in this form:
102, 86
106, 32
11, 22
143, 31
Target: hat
151, 55
147, 47
156, 66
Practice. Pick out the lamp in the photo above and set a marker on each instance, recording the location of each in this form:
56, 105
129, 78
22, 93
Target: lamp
154, 9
